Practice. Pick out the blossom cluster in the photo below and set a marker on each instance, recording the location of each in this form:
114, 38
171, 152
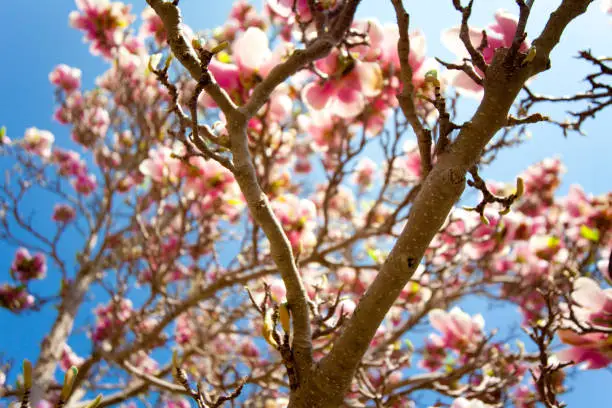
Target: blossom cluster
25, 268
178, 220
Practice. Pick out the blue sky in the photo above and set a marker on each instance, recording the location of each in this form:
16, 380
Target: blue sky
35, 37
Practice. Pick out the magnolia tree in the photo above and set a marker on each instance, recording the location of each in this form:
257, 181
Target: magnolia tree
269, 210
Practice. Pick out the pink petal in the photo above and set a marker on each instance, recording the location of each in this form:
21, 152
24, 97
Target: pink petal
280, 106
318, 96
280, 52
371, 78
506, 25
389, 45
418, 48
349, 103
450, 39
329, 64
464, 84
592, 359
438, 319
587, 293
227, 75
251, 49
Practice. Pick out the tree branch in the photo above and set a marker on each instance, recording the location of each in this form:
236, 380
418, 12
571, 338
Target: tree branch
439, 192
406, 97
244, 170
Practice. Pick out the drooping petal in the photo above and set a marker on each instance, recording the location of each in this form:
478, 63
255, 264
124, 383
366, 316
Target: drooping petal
591, 359
464, 84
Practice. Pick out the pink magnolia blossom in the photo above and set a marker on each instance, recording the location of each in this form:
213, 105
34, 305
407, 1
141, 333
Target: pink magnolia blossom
103, 23
459, 330
71, 165
161, 166
97, 119
71, 109
540, 181
346, 275
184, 330
26, 267
69, 358
248, 349
152, 25
606, 6
63, 213
14, 298
592, 350
433, 354
251, 57
407, 168
251, 52
326, 131
144, 362
212, 187
284, 8
38, 142
365, 172
350, 82
594, 309
84, 183
65, 77
111, 318
341, 204
242, 16
69, 161
297, 216
417, 58
499, 34
595, 304
206, 177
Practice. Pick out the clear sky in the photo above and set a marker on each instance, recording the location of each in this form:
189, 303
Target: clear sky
35, 37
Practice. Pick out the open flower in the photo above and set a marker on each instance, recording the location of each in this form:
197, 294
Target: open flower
297, 216
103, 22
348, 85
38, 142
161, 166
459, 330
65, 77
593, 350
152, 25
